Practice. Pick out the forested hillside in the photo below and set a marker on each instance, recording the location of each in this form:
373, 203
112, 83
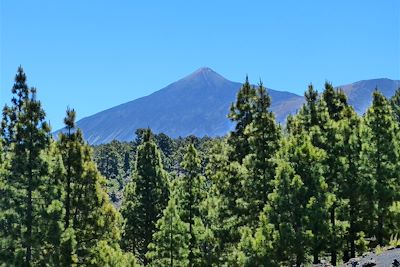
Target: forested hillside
325, 186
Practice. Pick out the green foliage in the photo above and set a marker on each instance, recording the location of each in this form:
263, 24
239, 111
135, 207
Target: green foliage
395, 103
228, 195
394, 241
191, 186
361, 243
351, 184
191, 192
393, 223
263, 136
300, 201
328, 184
322, 118
336, 102
170, 246
241, 114
144, 198
28, 181
111, 256
258, 249
89, 216
114, 162
380, 164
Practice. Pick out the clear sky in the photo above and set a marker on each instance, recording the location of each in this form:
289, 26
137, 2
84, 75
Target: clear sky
92, 54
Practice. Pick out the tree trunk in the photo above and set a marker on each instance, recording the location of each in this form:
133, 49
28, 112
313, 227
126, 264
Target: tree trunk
298, 261
170, 244
333, 245
28, 255
316, 256
191, 245
68, 196
29, 212
380, 228
352, 233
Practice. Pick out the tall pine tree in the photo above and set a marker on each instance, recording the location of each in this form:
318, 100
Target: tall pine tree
241, 114
263, 137
351, 185
380, 162
170, 245
395, 102
89, 217
29, 177
191, 194
299, 204
228, 197
334, 103
145, 198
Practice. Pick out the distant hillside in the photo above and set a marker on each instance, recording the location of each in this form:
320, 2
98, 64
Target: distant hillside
198, 104
360, 93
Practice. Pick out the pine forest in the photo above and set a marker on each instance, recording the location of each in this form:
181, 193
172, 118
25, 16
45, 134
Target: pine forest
323, 187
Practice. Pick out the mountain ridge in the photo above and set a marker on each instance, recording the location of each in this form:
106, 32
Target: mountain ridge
198, 104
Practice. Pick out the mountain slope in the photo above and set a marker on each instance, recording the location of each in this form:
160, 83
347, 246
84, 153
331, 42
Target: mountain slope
359, 93
197, 104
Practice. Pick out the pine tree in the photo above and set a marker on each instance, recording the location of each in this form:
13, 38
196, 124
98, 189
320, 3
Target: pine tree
106, 255
90, 217
144, 198
351, 186
319, 117
395, 102
191, 195
113, 162
335, 100
333, 104
241, 114
170, 245
27, 138
258, 249
7, 209
299, 203
380, 161
263, 137
228, 196
309, 112
204, 230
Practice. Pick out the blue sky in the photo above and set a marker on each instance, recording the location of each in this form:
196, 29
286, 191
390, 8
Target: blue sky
93, 54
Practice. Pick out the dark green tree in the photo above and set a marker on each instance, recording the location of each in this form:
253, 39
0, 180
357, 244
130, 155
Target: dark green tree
29, 183
331, 140
336, 101
319, 118
241, 114
106, 255
380, 162
191, 194
145, 198
351, 185
114, 162
299, 204
228, 197
170, 245
395, 102
258, 249
263, 136
309, 112
90, 217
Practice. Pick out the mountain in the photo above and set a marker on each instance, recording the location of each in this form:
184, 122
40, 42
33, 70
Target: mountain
198, 104
359, 93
